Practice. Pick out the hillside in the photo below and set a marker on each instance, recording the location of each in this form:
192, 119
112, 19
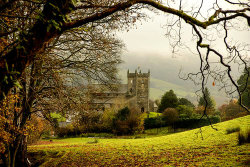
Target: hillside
198, 147
158, 87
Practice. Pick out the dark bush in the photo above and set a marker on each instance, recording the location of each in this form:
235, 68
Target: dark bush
232, 130
68, 131
128, 121
62, 132
184, 123
170, 116
244, 137
121, 127
184, 111
93, 141
156, 122
123, 114
90, 122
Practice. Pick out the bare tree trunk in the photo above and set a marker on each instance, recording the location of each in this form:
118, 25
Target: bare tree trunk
21, 156
17, 154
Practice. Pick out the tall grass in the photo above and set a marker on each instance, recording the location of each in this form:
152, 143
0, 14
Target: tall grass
244, 137
232, 130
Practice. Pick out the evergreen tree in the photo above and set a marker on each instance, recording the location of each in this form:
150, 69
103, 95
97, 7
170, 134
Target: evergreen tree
168, 100
242, 84
186, 102
210, 101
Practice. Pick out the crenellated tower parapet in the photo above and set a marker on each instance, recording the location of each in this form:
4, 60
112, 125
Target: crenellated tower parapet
138, 86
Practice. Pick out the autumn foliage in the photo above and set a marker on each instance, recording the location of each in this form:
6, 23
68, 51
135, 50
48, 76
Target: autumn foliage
7, 128
10, 126
231, 110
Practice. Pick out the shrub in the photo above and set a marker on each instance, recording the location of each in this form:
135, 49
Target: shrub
128, 121
184, 111
62, 132
125, 121
93, 141
107, 120
136, 120
123, 114
170, 116
231, 110
121, 128
232, 130
100, 135
155, 122
244, 137
200, 110
40, 127
90, 122
67, 131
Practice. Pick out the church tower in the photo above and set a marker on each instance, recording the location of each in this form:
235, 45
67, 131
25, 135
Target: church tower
138, 87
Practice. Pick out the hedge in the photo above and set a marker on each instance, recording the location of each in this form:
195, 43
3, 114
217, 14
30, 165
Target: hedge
156, 122
196, 122
150, 123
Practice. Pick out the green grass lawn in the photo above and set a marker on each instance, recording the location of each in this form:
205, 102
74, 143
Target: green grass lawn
152, 115
198, 147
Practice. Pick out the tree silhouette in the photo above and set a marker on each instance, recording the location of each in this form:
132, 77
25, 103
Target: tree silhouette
29, 28
210, 102
46, 20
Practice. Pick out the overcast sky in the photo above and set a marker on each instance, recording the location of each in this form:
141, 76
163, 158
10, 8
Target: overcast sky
146, 44
148, 37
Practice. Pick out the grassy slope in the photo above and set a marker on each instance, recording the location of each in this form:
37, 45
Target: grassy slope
180, 149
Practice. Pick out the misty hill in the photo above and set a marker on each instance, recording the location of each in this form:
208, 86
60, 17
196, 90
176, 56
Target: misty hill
164, 75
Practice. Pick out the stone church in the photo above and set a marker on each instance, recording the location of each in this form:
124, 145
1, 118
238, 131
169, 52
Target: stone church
135, 93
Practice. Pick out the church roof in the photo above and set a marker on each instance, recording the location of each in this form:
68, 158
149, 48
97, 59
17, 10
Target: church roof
116, 88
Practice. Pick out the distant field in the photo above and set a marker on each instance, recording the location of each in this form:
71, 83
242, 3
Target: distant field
198, 147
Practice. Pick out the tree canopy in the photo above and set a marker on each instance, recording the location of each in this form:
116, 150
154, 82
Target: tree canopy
168, 100
47, 20
70, 31
186, 102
